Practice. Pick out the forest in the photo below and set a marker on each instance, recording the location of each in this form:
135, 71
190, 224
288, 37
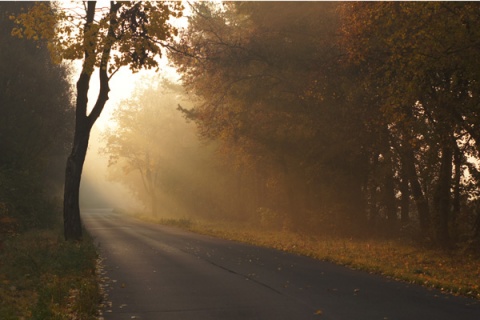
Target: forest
36, 128
315, 117
312, 117
348, 119
39, 271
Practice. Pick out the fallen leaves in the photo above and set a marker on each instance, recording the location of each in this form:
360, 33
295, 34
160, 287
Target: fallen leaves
449, 272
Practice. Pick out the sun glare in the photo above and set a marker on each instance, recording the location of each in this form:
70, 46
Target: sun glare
124, 81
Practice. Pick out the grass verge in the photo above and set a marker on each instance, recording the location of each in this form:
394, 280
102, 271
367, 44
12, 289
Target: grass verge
451, 272
44, 277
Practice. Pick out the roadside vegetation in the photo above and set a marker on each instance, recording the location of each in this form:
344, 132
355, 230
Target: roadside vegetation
345, 131
44, 277
454, 271
41, 275
450, 271
353, 117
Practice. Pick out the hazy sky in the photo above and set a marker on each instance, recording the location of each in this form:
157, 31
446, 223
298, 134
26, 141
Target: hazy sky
122, 84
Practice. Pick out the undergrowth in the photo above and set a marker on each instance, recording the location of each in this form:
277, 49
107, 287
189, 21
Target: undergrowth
449, 271
44, 277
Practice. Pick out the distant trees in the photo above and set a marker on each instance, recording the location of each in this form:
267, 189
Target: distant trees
360, 114
36, 115
124, 34
143, 141
157, 155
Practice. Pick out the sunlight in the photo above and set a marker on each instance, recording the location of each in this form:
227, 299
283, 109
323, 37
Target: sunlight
122, 85
124, 81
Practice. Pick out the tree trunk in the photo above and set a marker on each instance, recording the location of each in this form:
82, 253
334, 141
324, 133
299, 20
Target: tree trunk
389, 192
84, 122
73, 174
405, 201
418, 195
442, 198
457, 159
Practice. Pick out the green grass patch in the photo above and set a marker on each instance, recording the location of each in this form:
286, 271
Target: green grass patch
452, 272
44, 277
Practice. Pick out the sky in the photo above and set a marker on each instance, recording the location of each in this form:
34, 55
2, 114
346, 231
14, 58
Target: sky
96, 189
95, 185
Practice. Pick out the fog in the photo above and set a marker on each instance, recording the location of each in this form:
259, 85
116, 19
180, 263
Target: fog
160, 134
96, 190
280, 130
160, 166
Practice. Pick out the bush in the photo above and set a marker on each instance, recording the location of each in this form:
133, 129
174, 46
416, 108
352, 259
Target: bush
48, 278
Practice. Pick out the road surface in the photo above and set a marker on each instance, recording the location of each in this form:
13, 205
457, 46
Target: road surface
159, 272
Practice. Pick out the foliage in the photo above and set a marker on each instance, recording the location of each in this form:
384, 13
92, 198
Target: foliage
145, 141
131, 30
422, 66
124, 34
451, 272
265, 104
354, 115
46, 278
40, 277
35, 118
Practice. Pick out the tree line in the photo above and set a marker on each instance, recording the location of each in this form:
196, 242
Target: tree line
333, 115
346, 115
36, 115
104, 39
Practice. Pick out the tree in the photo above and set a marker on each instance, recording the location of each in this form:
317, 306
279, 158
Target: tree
421, 60
144, 140
275, 95
126, 34
36, 124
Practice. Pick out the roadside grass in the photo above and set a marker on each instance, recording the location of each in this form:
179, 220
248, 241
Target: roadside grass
451, 272
44, 277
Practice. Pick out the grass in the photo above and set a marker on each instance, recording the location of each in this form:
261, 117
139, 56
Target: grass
44, 277
451, 272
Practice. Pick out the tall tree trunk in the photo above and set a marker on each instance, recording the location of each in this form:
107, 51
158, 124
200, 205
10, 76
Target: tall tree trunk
442, 198
83, 122
457, 159
73, 174
74, 167
408, 163
405, 201
389, 192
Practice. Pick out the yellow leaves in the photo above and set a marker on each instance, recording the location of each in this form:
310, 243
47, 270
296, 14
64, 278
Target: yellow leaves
38, 23
453, 273
69, 38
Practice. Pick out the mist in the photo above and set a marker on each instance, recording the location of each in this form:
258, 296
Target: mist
96, 190
255, 135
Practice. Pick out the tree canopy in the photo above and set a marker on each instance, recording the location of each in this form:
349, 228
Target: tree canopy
36, 119
105, 39
363, 113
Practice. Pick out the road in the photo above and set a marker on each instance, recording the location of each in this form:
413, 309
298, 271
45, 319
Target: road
159, 272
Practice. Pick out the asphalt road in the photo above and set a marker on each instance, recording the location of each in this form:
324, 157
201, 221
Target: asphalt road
159, 272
